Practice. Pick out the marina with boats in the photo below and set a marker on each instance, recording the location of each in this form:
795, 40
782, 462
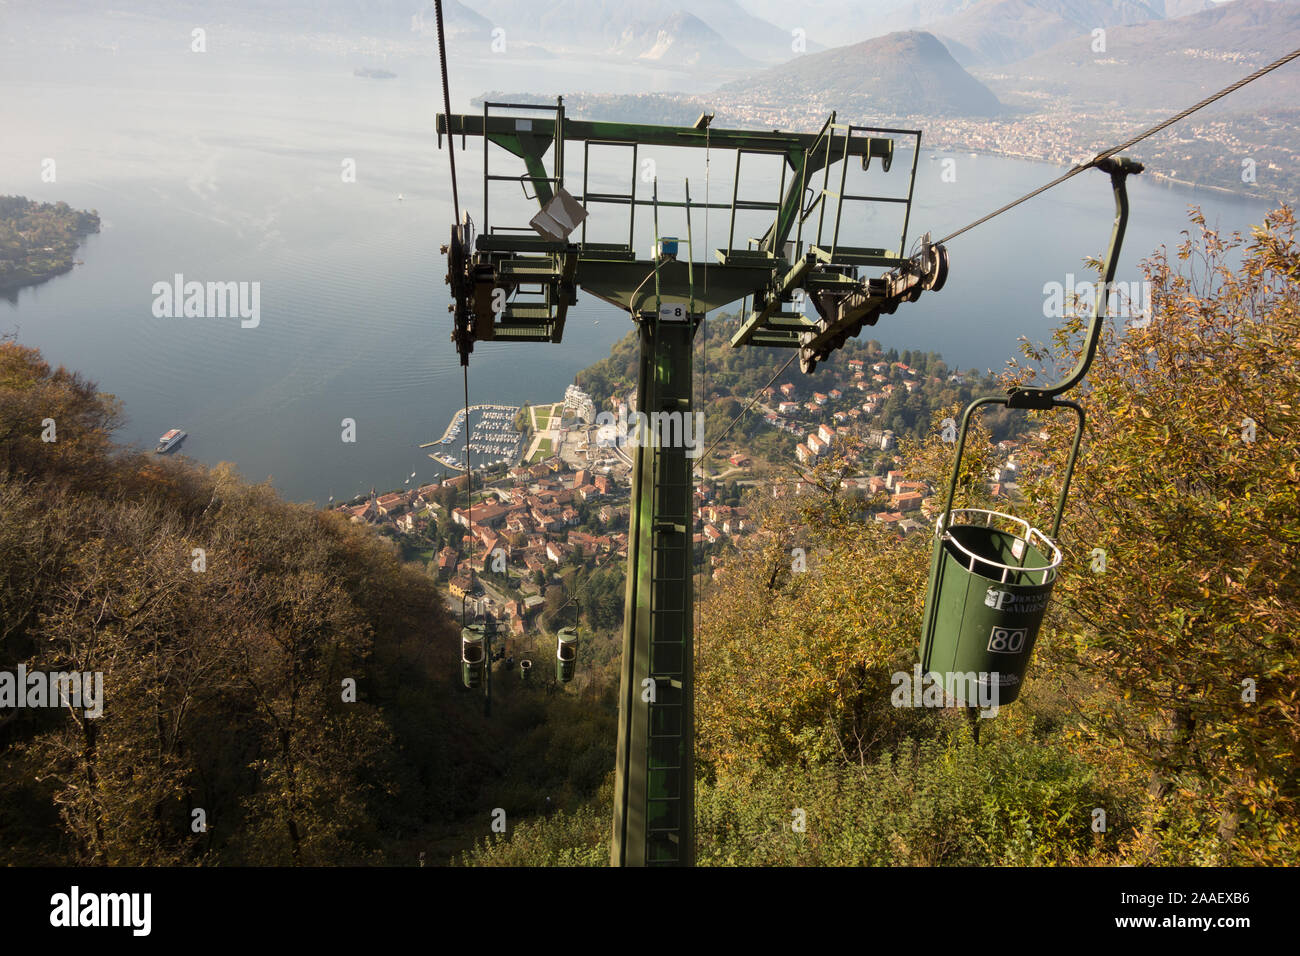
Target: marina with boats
493, 437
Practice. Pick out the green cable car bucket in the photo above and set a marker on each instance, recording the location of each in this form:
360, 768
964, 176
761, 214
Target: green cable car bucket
566, 654
991, 579
992, 573
472, 653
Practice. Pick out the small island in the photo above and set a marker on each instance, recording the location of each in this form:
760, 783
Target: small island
373, 74
37, 239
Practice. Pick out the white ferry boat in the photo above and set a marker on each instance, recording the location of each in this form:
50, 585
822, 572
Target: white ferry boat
170, 440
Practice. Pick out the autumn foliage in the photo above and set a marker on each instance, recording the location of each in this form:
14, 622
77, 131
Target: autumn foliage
1160, 721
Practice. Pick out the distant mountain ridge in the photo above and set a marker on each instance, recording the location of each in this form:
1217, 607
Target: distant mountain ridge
457, 19
996, 32
573, 25
908, 72
850, 21
364, 17
1172, 62
601, 23
681, 40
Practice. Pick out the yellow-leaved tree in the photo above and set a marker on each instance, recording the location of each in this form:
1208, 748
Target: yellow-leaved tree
1177, 627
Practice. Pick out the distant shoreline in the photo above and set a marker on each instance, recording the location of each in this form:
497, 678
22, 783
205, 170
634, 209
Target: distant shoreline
26, 282
1154, 173
41, 240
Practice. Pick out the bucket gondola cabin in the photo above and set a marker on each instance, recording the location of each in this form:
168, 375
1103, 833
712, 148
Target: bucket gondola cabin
566, 654
473, 655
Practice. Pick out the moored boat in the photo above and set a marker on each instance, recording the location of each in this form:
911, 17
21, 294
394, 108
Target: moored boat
170, 440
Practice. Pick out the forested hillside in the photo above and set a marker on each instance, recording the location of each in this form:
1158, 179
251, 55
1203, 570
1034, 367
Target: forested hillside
37, 239
728, 378
278, 688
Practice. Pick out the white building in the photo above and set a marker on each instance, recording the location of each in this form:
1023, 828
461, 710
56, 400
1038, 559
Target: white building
579, 402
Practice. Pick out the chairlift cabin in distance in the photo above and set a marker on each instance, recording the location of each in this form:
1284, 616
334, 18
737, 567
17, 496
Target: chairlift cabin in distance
473, 655
515, 282
566, 654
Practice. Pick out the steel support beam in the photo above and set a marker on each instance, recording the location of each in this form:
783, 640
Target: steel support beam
654, 780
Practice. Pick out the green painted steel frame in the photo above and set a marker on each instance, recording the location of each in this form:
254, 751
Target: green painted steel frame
531, 143
1021, 396
608, 271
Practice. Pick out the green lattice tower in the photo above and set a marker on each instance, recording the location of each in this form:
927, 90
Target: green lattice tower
510, 283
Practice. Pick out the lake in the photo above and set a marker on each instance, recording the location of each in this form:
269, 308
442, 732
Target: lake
228, 167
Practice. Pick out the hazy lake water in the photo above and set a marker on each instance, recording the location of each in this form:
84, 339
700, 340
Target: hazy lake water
221, 168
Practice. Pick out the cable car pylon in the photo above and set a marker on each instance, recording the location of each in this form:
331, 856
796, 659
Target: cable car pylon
514, 283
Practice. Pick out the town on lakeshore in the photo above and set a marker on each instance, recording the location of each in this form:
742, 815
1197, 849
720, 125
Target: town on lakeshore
552, 485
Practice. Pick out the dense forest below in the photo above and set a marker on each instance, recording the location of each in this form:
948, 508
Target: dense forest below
37, 240
281, 688
278, 687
